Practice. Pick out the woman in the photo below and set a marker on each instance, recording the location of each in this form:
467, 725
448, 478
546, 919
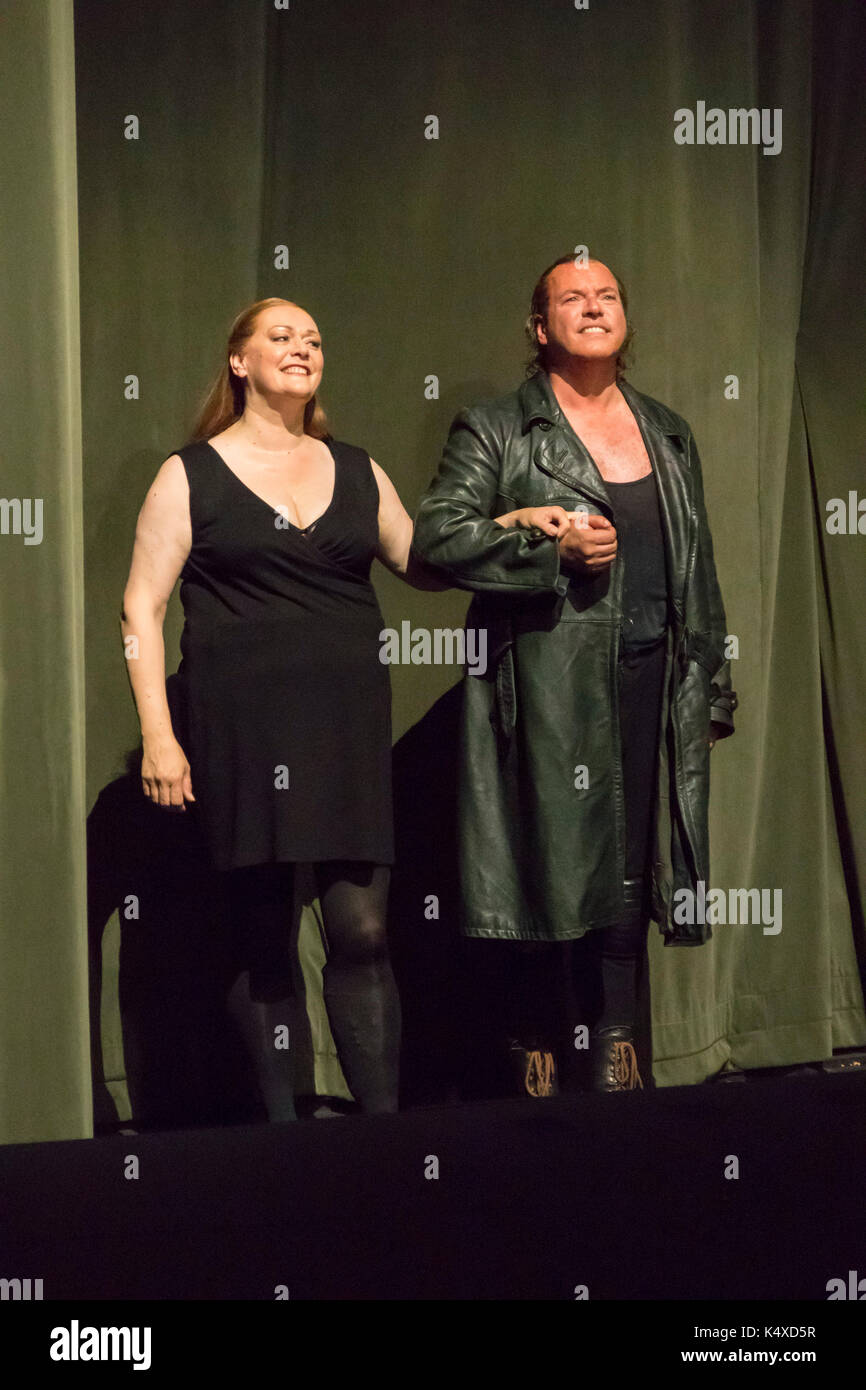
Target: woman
272, 526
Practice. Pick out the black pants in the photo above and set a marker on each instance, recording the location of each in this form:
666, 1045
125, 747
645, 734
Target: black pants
617, 952
538, 992
640, 699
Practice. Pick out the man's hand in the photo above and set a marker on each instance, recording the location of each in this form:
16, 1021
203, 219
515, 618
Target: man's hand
589, 544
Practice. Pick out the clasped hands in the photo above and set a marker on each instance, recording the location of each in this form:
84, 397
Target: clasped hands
587, 542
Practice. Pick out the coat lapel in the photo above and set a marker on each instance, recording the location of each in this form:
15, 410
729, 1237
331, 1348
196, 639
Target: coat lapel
561, 455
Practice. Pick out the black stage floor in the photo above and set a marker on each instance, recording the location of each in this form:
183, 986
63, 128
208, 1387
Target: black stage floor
617, 1197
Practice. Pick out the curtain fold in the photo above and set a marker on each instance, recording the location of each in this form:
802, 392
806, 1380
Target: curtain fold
831, 347
761, 1000
44, 1051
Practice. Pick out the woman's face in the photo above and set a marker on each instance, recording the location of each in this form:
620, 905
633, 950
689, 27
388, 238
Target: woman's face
283, 356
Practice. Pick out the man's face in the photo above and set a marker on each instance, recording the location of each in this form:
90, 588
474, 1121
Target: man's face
585, 317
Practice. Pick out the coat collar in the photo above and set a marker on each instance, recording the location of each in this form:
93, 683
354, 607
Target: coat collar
539, 403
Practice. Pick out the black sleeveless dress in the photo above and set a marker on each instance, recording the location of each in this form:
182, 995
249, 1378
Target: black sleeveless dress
289, 706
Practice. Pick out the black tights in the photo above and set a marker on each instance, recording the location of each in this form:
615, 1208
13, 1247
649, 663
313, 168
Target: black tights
357, 981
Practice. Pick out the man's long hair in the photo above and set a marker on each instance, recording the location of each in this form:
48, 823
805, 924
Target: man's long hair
538, 309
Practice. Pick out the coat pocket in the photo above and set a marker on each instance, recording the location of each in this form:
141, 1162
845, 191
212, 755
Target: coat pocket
500, 670
503, 716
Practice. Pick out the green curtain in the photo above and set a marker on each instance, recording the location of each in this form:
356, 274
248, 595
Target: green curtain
417, 256
307, 128
44, 1051
831, 347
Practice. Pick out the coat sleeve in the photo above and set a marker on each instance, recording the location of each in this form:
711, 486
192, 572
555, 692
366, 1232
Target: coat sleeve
723, 700
454, 529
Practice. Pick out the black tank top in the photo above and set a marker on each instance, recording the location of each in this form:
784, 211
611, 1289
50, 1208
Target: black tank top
641, 544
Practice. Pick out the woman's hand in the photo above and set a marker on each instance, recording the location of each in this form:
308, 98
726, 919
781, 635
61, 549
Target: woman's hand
553, 521
165, 774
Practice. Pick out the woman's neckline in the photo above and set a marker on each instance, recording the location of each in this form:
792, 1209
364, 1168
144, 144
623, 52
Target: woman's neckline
276, 510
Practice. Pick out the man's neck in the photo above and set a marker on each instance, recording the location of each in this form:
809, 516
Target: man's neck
585, 387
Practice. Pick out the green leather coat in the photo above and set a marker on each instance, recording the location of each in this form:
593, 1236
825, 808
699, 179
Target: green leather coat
541, 859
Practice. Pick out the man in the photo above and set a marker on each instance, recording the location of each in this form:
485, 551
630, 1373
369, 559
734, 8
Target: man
573, 508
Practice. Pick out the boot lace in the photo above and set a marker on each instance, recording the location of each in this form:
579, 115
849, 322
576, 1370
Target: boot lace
539, 1073
625, 1072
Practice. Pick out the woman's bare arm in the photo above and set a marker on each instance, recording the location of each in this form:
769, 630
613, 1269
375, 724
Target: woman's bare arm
395, 537
163, 539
